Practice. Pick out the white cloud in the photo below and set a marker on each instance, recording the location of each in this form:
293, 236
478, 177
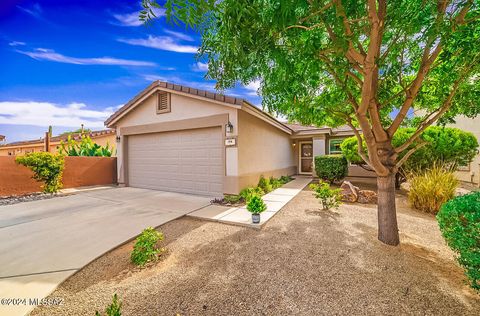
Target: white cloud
199, 67
17, 43
180, 36
35, 10
133, 18
167, 43
46, 113
51, 55
253, 87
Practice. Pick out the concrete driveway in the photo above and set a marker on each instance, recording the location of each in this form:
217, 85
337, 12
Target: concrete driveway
44, 242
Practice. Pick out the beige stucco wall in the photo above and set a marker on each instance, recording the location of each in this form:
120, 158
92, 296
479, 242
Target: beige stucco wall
182, 108
262, 150
473, 126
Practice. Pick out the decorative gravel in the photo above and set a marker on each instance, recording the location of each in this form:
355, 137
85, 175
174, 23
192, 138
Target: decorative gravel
26, 198
305, 261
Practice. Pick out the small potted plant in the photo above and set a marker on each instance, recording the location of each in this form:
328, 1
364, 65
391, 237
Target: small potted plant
256, 206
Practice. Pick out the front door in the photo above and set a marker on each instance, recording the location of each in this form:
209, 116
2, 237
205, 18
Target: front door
306, 157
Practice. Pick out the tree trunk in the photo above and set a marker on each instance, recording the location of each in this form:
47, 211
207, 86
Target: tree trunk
387, 214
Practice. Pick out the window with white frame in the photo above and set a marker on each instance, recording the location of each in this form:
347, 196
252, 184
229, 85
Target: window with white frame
334, 146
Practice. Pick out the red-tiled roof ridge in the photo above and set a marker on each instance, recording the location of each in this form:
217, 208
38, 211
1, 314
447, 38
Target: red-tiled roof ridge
176, 87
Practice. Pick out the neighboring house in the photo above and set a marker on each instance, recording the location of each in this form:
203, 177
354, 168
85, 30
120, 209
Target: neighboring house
471, 172
22, 147
181, 139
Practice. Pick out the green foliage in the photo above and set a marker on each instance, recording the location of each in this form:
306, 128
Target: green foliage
84, 147
77, 131
46, 167
330, 198
445, 145
114, 309
249, 192
232, 198
431, 188
331, 168
265, 184
300, 48
256, 205
459, 221
145, 248
285, 179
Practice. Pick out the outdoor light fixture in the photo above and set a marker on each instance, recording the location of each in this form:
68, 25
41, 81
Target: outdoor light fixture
229, 127
118, 139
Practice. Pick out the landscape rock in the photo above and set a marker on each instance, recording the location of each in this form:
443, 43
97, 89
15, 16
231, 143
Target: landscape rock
367, 197
349, 192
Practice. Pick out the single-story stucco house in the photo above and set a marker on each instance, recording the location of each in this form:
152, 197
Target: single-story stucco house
175, 138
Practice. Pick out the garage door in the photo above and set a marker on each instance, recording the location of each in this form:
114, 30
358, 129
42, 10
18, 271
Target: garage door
189, 161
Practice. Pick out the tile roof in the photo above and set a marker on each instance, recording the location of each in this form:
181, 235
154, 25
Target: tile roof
176, 87
76, 136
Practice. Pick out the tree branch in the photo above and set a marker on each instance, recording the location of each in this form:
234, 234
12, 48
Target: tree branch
360, 150
409, 153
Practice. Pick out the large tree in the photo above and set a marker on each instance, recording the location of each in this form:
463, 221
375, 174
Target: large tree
364, 63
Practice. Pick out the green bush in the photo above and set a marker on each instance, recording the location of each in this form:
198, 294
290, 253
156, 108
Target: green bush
446, 145
256, 205
331, 168
285, 179
275, 183
46, 167
114, 309
232, 198
264, 184
145, 248
84, 147
249, 192
330, 198
430, 189
459, 221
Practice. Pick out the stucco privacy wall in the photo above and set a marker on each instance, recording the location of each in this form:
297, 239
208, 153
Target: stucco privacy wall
262, 150
182, 108
79, 171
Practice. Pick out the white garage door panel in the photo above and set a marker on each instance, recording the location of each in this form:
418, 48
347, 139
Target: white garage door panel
188, 161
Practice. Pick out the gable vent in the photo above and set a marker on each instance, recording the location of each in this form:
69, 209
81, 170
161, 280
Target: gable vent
163, 104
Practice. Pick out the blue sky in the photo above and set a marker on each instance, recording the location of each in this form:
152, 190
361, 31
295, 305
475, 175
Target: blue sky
64, 63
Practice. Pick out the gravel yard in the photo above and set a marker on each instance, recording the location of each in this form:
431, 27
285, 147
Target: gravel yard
304, 261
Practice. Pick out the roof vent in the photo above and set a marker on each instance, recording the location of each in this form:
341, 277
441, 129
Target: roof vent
163, 102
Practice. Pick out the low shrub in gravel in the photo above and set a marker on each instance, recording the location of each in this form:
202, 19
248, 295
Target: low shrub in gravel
114, 309
146, 248
431, 188
330, 198
459, 221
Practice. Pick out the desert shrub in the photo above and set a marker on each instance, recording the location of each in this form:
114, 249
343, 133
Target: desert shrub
256, 205
114, 309
145, 248
247, 193
46, 167
431, 188
84, 147
330, 198
264, 184
285, 179
232, 198
459, 221
331, 168
275, 183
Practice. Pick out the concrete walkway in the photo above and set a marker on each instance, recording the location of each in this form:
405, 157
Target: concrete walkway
44, 242
274, 200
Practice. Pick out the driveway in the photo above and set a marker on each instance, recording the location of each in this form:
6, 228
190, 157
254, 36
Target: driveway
44, 242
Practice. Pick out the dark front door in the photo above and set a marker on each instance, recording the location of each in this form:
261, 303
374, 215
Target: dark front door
306, 157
